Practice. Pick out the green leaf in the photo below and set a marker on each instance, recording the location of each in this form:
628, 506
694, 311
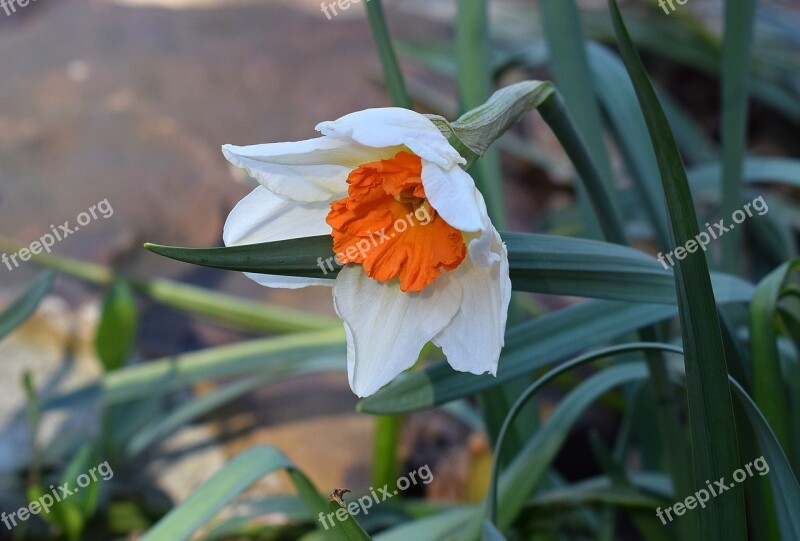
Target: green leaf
783, 170
769, 389
711, 419
443, 526
785, 488
185, 413
526, 471
539, 263
349, 526
490, 533
247, 468
736, 45
570, 67
116, 333
616, 94
25, 305
391, 69
277, 357
602, 490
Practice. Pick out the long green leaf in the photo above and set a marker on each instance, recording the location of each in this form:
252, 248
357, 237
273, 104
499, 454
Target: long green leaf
616, 94
532, 463
391, 69
769, 389
474, 88
711, 416
736, 45
785, 488
570, 68
25, 305
247, 468
706, 176
282, 356
539, 263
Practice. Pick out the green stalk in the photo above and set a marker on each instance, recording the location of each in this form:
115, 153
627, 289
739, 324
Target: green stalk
383, 42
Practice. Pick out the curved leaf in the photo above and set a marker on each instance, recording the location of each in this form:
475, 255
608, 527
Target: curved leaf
247, 468
25, 305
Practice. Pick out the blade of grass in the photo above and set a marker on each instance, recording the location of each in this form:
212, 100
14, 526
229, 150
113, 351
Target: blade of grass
282, 356
570, 69
769, 389
711, 419
247, 468
615, 92
25, 305
740, 18
383, 42
474, 88
514, 501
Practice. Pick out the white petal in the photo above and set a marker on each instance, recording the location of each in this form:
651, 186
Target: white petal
311, 170
483, 248
288, 282
263, 216
386, 328
473, 340
392, 127
454, 196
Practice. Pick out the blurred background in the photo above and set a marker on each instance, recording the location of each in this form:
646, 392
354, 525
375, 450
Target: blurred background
129, 101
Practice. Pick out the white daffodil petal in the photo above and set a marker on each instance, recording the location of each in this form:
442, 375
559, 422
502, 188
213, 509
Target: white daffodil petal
387, 328
263, 216
311, 170
483, 249
473, 340
288, 282
454, 196
392, 127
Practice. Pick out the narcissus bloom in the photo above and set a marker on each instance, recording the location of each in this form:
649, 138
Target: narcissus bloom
422, 261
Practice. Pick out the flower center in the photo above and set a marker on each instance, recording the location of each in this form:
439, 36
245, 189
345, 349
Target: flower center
386, 224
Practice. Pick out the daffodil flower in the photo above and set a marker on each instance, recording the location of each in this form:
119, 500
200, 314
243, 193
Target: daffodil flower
422, 261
